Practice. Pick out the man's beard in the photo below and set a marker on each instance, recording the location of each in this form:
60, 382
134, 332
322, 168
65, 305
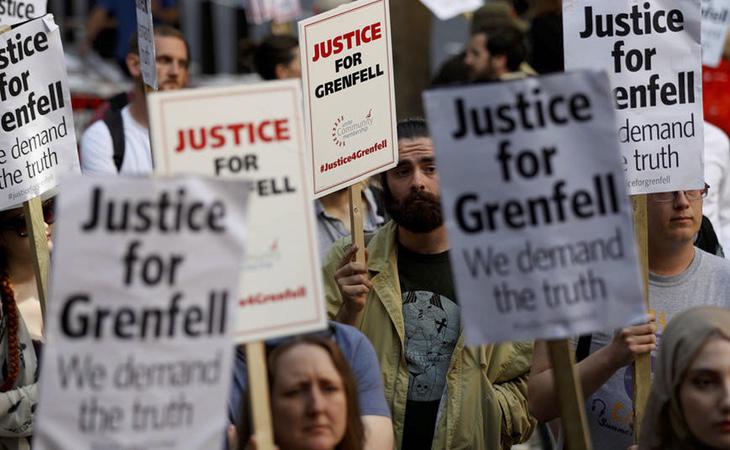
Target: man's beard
420, 212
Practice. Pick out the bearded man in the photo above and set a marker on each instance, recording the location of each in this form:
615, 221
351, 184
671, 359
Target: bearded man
442, 395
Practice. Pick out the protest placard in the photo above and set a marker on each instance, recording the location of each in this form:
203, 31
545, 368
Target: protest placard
652, 53
37, 140
448, 9
16, 11
278, 11
146, 42
715, 25
538, 218
349, 101
139, 330
262, 142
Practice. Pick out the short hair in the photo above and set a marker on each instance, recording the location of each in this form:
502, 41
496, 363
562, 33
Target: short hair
413, 128
274, 50
507, 41
162, 31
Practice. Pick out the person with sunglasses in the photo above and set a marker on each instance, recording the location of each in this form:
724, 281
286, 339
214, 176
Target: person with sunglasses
20, 329
681, 276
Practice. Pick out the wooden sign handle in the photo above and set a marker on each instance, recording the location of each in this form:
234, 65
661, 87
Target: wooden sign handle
258, 388
642, 365
356, 229
33, 211
356, 221
570, 395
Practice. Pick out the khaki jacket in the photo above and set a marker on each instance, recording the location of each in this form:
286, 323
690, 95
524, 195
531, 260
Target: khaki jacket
484, 405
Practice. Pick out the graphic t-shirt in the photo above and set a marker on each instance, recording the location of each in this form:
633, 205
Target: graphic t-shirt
432, 325
610, 409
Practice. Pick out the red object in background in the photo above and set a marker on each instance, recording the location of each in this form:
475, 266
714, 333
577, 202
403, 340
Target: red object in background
716, 94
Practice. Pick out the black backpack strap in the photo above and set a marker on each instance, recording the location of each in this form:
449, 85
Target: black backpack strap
113, 121
584, 347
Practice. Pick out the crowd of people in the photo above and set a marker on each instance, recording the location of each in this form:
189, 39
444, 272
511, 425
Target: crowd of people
392, 370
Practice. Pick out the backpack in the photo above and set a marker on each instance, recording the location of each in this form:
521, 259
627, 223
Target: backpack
113, 120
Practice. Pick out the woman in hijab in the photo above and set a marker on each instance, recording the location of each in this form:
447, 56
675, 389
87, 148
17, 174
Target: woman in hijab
689, 405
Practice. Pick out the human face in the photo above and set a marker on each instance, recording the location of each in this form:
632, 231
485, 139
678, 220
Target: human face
308, 401
704, 394
172, 63
14, 233
477, 58
414, 193
291, 70
673, 223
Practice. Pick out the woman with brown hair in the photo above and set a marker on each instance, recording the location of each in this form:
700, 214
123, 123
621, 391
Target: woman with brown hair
20, 319
689, 405
314, 399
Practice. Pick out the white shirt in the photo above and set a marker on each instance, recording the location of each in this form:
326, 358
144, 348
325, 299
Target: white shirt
717, 164
97, 151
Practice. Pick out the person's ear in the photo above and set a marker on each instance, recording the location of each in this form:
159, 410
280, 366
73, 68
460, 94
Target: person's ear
280, 72
500, 63
134, 65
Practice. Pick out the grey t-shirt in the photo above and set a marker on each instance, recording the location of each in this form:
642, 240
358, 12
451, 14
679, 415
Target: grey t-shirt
610, 410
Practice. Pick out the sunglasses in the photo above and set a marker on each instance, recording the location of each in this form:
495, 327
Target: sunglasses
18, 225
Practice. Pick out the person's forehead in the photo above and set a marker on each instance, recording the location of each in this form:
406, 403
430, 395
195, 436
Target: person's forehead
170, 46
415, 149
478, 40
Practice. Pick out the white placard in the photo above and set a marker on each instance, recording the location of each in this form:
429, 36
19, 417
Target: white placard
349, 101
279, 11
539, 222
37, 140
139, 324
448, 9
651, 51
715, 25
146, 42
253, 132
16, 11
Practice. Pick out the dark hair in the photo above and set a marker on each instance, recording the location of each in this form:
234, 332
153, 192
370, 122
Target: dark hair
162, 31
11, 365
354, 431
507, 41
413, 128
272, 51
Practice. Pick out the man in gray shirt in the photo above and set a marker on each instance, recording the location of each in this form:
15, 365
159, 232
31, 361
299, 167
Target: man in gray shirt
681, 276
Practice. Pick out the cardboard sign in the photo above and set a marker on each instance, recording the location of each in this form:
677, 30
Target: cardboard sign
37, 140
278, 11
715, 25
448, 9
253, 132
16, 11
349, 101
539, 222
651, 51
146, 42
139, 328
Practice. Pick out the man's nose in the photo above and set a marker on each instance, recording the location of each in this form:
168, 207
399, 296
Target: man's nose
418, 181
680, 200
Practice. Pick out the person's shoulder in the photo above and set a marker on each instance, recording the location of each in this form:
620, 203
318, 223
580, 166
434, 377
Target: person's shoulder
97, 135
712, 262
346, 336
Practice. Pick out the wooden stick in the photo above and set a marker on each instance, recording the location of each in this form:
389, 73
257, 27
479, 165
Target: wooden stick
33, 211
570, 396
356, 229
258, 388
356, 221
642, 365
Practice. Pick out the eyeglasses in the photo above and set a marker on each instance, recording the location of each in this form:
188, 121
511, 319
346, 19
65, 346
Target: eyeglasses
692, 195
18, 225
